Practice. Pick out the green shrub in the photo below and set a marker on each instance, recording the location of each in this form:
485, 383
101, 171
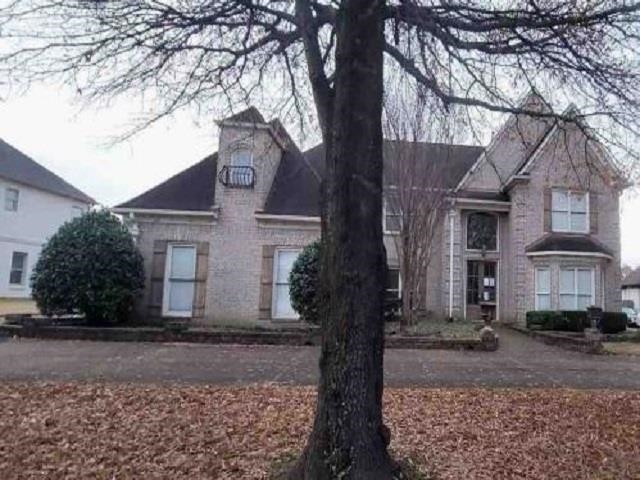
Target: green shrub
563, 321
543, 320
613, 322
577, 320
574, 321
304, 282
89, 266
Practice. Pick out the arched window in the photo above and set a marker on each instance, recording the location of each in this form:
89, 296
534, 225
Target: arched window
482, 231
241, 171
241, 157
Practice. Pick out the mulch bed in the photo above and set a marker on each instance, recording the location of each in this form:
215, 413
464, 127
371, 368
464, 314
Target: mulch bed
119, 431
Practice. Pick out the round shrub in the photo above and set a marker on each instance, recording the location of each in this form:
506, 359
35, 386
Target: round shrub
304, 281
90, 266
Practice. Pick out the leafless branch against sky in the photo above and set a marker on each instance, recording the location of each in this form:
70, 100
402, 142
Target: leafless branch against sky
217, 54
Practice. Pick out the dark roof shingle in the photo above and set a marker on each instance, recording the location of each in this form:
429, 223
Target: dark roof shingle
18, 167
296, 187
190, 190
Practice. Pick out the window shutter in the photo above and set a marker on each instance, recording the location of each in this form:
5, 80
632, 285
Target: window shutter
157, 278
202, 269
266, 282
547, 210
593, 212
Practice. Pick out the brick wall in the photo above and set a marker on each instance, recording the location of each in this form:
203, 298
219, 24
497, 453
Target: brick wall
565, 162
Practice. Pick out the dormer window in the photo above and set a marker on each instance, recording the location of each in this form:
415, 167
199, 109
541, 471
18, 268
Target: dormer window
569, 211
241, 157
239, 173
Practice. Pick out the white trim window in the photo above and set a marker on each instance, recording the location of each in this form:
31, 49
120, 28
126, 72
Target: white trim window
18, 272
577, 289
543, 288
569, 211
76, 211
283, 260
179, 280
11, 199
391, 213
393, 288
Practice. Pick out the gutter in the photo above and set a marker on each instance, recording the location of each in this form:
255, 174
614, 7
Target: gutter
157, 211
565, 253
286, 218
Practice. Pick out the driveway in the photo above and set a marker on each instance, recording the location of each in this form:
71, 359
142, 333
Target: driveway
520, 362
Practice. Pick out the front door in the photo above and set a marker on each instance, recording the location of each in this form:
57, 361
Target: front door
482, 289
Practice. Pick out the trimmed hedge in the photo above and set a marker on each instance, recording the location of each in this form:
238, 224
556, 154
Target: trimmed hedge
90, 266
613, 322
564, 321
574, 321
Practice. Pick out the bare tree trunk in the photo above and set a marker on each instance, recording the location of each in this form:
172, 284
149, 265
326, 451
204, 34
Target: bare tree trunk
349, 439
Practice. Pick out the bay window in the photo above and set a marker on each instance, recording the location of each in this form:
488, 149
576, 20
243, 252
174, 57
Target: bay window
543, 288
576, 288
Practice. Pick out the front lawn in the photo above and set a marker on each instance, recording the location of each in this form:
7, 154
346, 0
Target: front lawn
17, 305
107, 431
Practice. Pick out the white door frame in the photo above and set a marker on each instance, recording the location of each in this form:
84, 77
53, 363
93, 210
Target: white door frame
166, 312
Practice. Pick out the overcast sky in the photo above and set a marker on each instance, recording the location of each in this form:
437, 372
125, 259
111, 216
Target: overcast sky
75, 143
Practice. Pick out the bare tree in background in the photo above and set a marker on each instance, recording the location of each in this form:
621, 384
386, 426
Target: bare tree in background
202, 53
416, 193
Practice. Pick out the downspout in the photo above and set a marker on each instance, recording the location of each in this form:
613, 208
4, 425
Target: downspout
451, 226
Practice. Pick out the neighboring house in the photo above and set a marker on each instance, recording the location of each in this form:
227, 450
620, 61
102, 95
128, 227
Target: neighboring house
219, 238
631, 287
34, 202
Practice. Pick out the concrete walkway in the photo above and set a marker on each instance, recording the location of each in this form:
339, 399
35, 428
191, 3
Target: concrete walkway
520, 362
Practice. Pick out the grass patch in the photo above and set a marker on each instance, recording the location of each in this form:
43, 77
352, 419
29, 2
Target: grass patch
440, 328
622, 348
17, 305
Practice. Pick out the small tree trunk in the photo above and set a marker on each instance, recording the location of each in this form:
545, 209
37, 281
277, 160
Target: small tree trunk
349, 439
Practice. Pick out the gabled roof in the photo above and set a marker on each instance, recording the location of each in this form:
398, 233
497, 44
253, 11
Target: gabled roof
296, 187
249, 115
556, 242
632, 280
190, 190
18, 167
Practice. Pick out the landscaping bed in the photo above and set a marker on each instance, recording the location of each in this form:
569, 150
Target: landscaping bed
570, 340
105, 431
248, 336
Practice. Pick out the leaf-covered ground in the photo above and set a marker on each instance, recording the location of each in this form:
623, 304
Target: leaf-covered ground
114, 431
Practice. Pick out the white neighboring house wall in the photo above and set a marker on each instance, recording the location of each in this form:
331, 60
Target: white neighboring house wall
39, 214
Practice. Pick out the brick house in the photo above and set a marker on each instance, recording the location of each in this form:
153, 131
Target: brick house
220, 237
